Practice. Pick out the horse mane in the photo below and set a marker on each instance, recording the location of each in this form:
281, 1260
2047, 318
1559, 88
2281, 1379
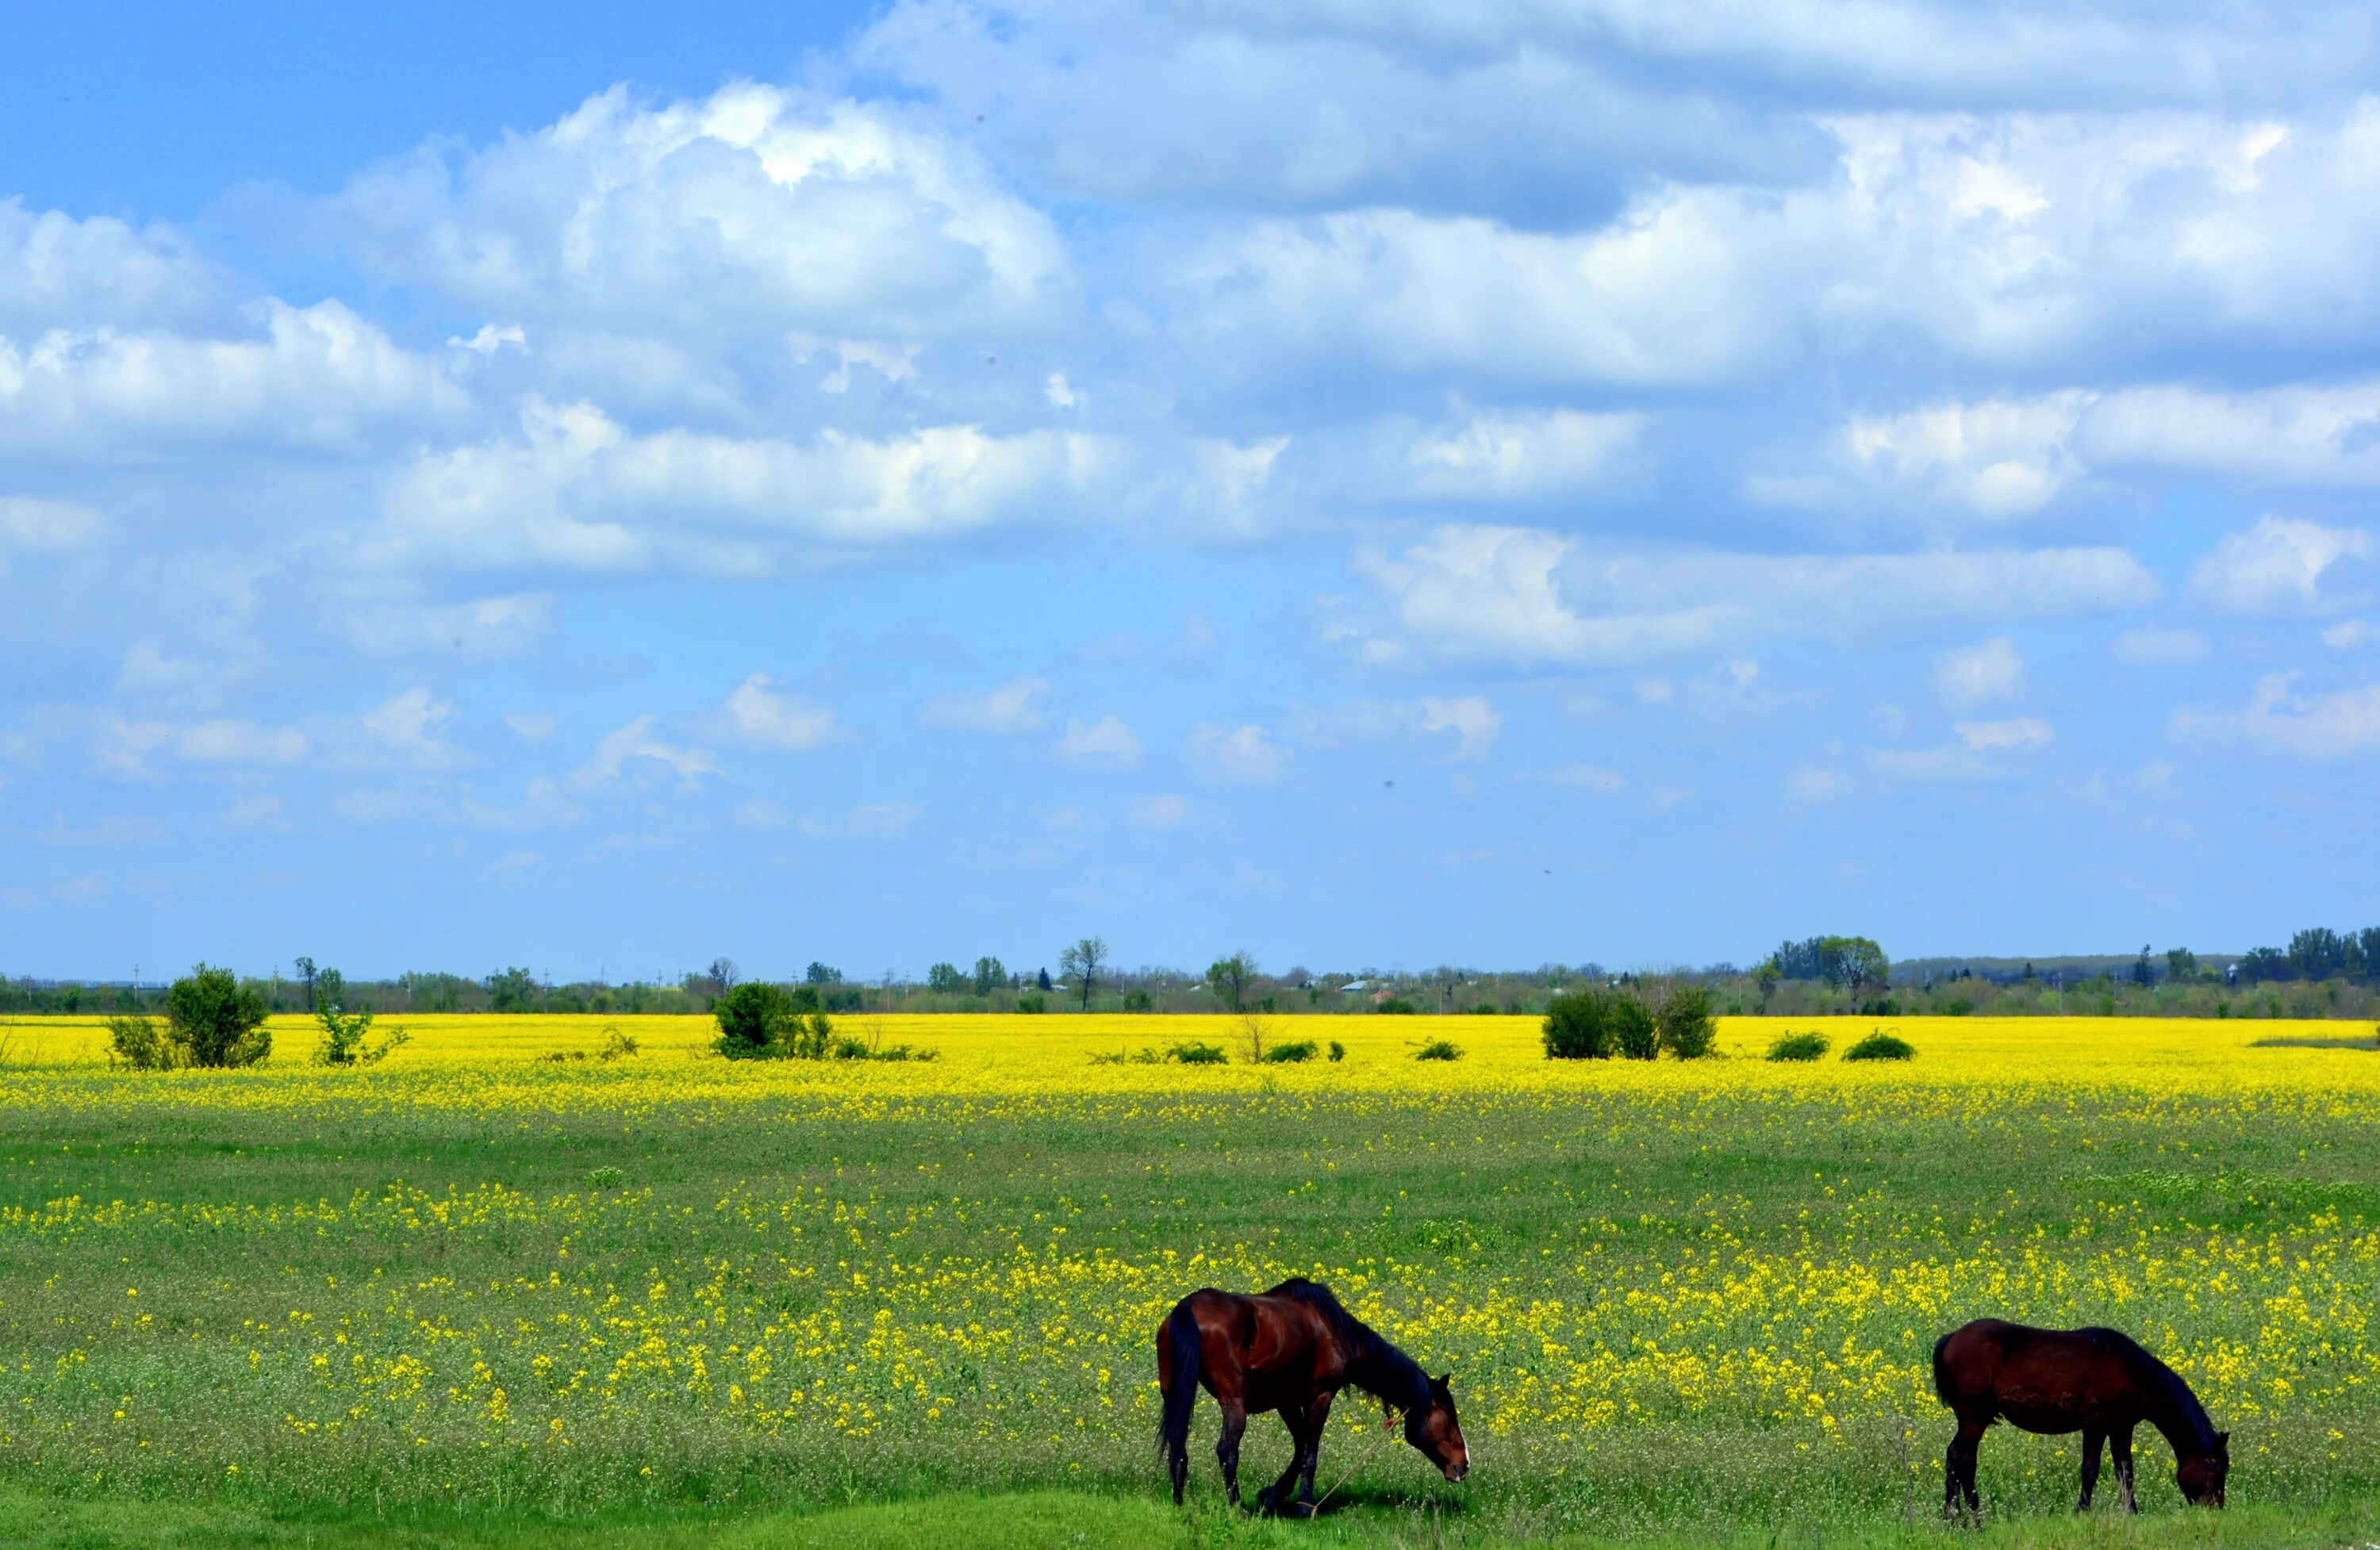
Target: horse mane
2167, 1383
1374, 1363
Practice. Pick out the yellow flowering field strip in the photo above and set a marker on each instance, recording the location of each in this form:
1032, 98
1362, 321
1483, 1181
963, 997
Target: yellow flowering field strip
1671, 1295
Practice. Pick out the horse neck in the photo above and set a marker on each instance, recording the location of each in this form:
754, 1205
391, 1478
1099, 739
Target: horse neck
1388, 1375
2175, 1410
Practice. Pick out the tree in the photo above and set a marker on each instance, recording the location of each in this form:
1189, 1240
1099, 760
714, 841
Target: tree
217, 1020
989, 975
724, 973
1085, 959
2143, 967
1684, 1020
821, 974
344, 1034
945, 979
511, 990
1764, 979
1578, 1026
1228, 979
1633, 1029
306, 972
1852, 963
2317, 953
1042, 979
762, 1022
2181, 964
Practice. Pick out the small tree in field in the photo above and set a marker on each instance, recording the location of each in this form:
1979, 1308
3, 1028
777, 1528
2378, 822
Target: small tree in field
1578, 1026
211, 1021
1685, 1023
345, 1035
1085, 959
1229, 978
1633, 1029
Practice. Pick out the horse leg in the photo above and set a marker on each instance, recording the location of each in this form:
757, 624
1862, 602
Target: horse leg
1270, 1499
1959, 1468
2119, 1443
1227, 1449
2092, 1439
1318, 1418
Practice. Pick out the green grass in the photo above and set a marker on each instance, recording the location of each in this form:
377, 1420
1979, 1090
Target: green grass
377, 1225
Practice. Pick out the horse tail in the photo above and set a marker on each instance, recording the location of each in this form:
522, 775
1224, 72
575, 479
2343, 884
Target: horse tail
1181, 1335
1942, 1371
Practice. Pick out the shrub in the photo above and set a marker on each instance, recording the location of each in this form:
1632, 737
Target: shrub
754, 1020
607, 1178
1685, 1022
1397, 1006
1880, 1045
1633, 1029
1440, 1050
1578, 1026
617, 1046
138, 1042
1485, 1009
1338, 1051
1139, 1000
1798, 1047
1198, 1054
1290, 1054
344, 1034
217, 1020
1033, 1002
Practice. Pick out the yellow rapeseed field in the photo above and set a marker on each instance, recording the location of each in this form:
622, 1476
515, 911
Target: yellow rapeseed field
479, 1271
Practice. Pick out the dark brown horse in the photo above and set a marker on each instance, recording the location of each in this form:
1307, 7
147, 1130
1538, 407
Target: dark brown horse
1289, 1350
2096, 1382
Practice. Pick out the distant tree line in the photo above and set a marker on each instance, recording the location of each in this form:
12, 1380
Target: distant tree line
2320, 972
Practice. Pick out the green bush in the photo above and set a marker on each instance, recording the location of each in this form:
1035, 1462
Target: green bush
1338, 1051
1290, 1054
1880, 1045
1578, 1026
1485, 1008
1798, 1047
617, 1046
1033, 1002
607, 1177
754, 1020
1440, 1050
1634, 1028
1685, 1022
139, 1043
1397, 1006
1198, 1054
217, 1020
1139, 1000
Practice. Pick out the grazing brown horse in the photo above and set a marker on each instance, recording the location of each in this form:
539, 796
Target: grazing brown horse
2096, 1382
1289, 1350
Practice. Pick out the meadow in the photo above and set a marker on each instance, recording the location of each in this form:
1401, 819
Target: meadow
481, 1291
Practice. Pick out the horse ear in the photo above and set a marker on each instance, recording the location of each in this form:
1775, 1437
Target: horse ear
1441, 1381
2223, 1439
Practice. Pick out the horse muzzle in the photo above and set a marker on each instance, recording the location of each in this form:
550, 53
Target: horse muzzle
1456, 1471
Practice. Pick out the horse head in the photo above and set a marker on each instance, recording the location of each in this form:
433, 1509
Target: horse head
1435, 1432
2202, 1478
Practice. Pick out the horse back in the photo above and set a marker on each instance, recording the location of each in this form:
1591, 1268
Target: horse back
2042, 1380
1256, 1345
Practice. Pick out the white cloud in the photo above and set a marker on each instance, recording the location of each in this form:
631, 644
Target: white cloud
405, 724
2316, 725
536, 726
1163, 811
480, 629
1472, 720
757, 210
2277, 567
576, 490
235, 741
1513, 455
57, 271
1527, 596
636, 741
1996, 458
36, 526
1106, 742
1654, 691
2154, 647
2348, 634
320, 377
2021, 732
1008, 707
760, 715
1245, 753
1972, 674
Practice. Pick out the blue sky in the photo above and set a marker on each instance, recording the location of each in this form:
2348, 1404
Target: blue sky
1373, 485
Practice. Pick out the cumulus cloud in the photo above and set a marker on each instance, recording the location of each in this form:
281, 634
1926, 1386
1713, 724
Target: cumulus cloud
536, 726
1510, 456
319, 377
759, 714
2320, 725
232, 740
1246, 754
496, 626
29, 525
1006, 708
576, 491
759, 209
1528, 596
1106, 743
2277, 567
1472, 720
1993, 670
635, 740
58, 271
406, 725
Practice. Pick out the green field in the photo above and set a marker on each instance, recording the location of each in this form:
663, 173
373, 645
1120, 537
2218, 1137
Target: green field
514, 1301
